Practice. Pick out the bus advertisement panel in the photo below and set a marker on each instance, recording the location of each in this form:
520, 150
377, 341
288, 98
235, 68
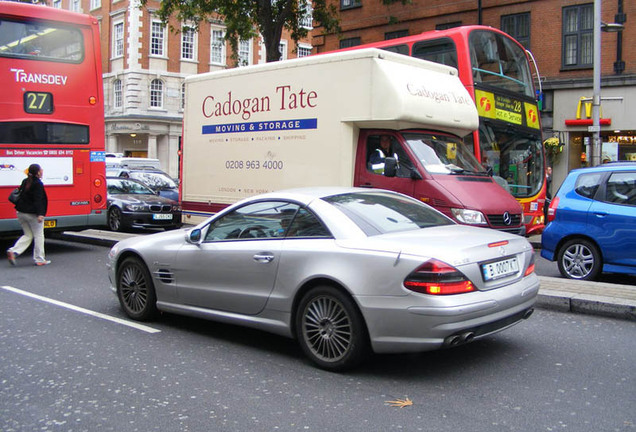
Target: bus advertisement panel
52, 113
496, 71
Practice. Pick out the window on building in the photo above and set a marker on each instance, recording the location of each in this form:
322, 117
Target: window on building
118, 39
95, 4
303, 50
156, 93
157, 38
350, 42
57, 4
517, 26
188, 43
75, 6
448, 25
578, 39
282, 48
395, 34
307, 20
245, 52
183, 93
217, 47
348, 4
118, 97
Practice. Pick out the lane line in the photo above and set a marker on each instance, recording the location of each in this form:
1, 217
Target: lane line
82, 310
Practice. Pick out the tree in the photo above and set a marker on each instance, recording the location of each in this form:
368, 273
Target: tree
244, 18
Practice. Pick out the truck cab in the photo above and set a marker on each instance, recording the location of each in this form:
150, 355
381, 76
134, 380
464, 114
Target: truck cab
439, 170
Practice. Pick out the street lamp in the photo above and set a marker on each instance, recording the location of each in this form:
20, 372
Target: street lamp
596, 99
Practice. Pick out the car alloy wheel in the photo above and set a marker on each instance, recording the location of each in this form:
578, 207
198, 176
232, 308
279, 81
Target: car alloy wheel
330, 329
579, 259
135, 290
114, 219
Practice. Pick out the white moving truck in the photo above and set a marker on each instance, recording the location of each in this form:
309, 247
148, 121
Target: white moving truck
365, 118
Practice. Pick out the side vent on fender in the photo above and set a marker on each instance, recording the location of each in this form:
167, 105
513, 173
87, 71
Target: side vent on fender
165, 276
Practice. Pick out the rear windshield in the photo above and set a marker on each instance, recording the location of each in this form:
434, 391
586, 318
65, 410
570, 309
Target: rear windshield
380, 212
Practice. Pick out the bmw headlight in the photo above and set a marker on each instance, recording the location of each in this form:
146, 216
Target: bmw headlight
469, 217
176, 207
136, 207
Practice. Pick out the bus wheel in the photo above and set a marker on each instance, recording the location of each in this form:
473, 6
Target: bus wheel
114, 219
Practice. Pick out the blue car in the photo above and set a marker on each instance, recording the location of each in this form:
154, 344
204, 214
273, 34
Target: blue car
592, 222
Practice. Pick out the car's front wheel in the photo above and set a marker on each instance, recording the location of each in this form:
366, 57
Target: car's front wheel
330, 329
579, 259
135, 290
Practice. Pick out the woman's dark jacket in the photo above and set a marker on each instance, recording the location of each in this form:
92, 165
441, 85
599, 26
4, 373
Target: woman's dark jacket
34, 200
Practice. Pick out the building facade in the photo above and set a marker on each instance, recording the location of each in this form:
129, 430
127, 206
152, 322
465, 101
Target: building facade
559, 34
145, 64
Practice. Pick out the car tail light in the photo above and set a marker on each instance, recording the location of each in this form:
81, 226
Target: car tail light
530, 268
438, 278
553, 208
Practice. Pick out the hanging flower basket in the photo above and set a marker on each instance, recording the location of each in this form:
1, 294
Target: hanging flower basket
553, 147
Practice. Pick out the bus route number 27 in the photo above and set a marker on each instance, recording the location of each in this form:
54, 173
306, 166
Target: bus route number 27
38, 103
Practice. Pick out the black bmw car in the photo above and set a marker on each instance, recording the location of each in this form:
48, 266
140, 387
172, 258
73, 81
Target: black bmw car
131, 204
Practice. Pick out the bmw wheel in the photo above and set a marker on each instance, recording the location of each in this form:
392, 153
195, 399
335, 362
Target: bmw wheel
114, 219
579, 259
330, 329
135, 290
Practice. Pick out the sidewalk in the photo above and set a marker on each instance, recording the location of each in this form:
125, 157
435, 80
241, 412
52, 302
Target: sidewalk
566, 295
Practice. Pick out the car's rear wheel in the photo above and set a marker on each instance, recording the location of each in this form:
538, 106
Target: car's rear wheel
135, 290
579, 259
114, 219
330, 329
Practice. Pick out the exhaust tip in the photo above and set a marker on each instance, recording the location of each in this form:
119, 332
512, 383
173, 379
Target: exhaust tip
467, 337
528, 313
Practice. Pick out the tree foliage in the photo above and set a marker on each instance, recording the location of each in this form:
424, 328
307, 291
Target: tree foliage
245, 18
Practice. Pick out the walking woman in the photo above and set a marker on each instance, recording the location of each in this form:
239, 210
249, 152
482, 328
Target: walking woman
31, 209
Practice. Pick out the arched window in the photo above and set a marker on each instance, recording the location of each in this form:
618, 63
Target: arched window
156, 93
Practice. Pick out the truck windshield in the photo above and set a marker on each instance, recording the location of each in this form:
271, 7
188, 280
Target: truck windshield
442, 154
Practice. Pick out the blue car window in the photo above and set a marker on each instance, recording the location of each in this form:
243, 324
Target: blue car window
621, 188
587, 184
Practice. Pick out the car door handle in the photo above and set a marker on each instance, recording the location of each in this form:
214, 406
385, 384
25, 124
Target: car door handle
600, 214
263, 257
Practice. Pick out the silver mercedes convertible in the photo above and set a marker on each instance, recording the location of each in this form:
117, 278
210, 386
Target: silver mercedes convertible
345, 271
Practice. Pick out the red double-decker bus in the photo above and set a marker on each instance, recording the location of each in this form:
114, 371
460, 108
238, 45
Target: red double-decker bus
52, 113
496, 71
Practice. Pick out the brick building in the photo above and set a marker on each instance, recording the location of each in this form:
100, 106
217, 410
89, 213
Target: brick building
144, 66
559, 35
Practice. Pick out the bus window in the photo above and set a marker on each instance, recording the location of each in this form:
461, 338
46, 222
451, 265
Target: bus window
399, 49
439, 51
31, 40
500, 63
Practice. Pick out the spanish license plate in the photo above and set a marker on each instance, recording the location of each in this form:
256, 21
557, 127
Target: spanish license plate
499, 269
162, 216
50, 223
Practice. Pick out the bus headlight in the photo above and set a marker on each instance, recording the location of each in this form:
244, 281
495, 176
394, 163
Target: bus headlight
469, 217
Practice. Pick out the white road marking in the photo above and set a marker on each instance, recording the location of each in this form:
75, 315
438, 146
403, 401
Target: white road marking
82, 310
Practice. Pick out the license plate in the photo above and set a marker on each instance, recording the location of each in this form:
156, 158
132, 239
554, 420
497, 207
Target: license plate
51, 223
499, 269
162, 216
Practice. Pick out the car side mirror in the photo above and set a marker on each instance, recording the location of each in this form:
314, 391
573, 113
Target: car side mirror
390, 167
194, 236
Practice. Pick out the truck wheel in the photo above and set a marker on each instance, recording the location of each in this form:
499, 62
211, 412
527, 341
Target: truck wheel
579, 259
135, 290
330, 329
114, 219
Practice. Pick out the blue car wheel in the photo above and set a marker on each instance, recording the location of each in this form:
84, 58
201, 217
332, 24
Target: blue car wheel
579, 259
